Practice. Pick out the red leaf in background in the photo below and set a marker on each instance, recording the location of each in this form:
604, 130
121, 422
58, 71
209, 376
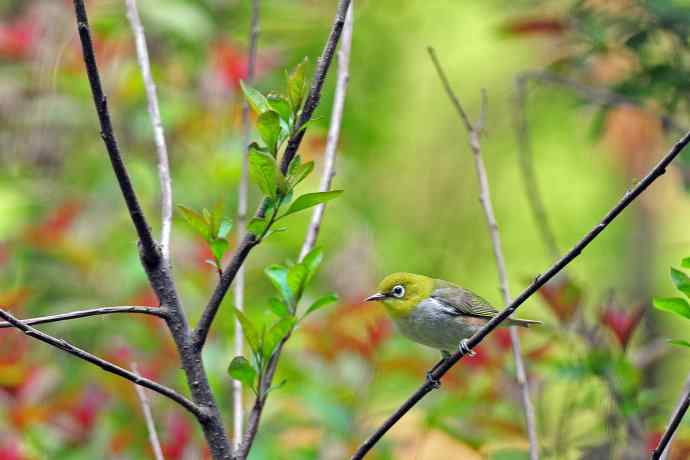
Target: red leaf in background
55, 224
622, 322
146, 298
480, 360
9, 449
16, 39
121, 441
535, 26
502, 339
562, 296
178, 436
230, 64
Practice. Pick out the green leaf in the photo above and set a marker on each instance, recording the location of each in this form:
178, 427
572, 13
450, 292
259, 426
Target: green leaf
296, 86
256, 100
240, 369
279, 308
324, 301
681, 281
674, 305
297, 171
268, 125
224, 228
680, 343
312, 261
685, 263
310, 199
276, 333
278, 274
195, 220
264, 171
256, 226
249, 331
281, 105
218, 247
296, 280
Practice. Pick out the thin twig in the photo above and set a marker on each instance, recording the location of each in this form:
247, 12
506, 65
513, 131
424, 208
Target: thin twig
314, 226
242, 192
474, 132
157, 125
157, 268
539, 281
664, 447
103, 364
249, 241
148, 418
155, 311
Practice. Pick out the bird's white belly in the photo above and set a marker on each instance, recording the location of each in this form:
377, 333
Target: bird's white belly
429, 325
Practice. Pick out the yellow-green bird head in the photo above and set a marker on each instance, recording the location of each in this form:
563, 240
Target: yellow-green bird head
402, 292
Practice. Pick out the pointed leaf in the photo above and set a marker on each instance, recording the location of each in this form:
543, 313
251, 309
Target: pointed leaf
296, 86
278, 307
278, 275
248, 331
296, 279
681, 281
311, 199
297, 171
224, 228
324, 301
264, 171
268, 125
195, 220
256, 100
241, 369
281, 105
276, 333
680, 343
312, 261
256, 226
218, 247
685, 263
674, 305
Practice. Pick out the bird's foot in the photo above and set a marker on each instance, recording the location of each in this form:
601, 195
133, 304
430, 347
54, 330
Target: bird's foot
466, 349
435, 383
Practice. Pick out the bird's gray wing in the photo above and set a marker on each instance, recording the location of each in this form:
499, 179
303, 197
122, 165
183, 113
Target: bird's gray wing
459, 301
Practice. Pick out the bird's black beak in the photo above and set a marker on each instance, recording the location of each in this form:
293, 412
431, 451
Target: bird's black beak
375, 297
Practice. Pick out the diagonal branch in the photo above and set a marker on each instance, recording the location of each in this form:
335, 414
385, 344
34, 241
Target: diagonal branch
157, 125
148, 418
150, 252
480, 335
474, 132
242, 192
103, 364
155, 311
249, 241
314, 226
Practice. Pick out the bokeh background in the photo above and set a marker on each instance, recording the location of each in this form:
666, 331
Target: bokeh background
410, 204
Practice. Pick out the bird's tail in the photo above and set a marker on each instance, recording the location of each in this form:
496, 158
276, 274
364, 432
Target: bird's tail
524, 322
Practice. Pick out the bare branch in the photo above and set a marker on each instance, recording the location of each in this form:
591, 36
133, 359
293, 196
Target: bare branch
664, 447
480, 335
148, 418
103, 364
474, 132
155, 311
315, 224
242, 192
157, 125
249, 241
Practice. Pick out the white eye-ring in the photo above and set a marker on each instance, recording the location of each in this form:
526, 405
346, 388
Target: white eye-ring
398, 291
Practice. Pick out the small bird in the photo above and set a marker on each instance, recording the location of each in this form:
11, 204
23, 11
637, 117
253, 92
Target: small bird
436, 313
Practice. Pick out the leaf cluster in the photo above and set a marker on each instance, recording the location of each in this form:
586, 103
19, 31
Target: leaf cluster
677, 305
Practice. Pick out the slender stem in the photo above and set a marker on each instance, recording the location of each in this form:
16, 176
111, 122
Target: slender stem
157, 125
149, 249
155, 311
249, 241
474, 132
157, 268
664, 447
539, 281
242, 192
148, 418
312, 234
102, 363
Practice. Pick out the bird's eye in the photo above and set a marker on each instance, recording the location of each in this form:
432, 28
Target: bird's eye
398, 291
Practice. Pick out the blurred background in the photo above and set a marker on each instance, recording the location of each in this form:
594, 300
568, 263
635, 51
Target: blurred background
604, 380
